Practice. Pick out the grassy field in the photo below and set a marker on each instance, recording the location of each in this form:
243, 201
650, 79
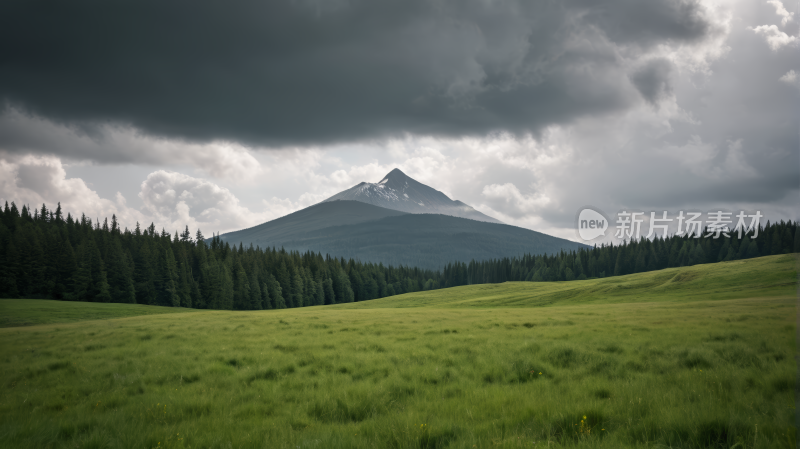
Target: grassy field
761, 277
26, 312
699, 357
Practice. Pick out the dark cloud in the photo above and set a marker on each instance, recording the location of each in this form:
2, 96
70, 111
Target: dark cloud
653, 80
281, 72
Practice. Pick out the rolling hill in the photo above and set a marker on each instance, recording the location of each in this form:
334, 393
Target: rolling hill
675, 358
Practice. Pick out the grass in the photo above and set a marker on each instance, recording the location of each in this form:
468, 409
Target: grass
704, 367
29, 312
760, 277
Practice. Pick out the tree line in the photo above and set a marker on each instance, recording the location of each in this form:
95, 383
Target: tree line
636, 256
46, 255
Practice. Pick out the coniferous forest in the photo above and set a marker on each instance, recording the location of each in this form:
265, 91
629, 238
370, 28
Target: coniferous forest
46, 255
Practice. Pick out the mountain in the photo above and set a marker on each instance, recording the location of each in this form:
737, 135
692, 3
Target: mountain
303, 222
400, 192
353, 229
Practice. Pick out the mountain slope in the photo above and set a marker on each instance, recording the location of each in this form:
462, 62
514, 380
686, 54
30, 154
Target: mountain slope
396, 238
313, 218
398, 191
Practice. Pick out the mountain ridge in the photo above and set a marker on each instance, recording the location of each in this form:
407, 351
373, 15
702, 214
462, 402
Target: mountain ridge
399, 191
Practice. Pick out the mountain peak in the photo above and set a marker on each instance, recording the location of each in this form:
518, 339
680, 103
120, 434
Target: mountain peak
399, 191
395, 173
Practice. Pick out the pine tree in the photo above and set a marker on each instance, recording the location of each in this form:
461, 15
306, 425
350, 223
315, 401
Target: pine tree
120, 274
59, 218
144, 275
275, 293
698, 256
241, 290
8, 272
752, 250
266, 301
186, 236
309, 288
320, 293
797, 238
776, 248
255, 292
285, 280
297, 288
166, 281
66, 267
82, 281
226, 288
114, 224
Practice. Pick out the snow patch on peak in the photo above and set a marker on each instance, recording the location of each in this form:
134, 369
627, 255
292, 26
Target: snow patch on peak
384, 181
405, 195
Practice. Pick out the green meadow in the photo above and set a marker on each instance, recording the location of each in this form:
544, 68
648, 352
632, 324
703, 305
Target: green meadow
696, 357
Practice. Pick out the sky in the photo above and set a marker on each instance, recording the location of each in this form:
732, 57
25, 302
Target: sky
224, 115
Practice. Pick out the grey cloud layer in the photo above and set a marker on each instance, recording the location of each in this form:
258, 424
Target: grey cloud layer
283, 72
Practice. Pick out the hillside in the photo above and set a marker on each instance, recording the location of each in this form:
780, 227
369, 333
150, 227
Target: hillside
310, 219
676, 358
352, 229
771, 276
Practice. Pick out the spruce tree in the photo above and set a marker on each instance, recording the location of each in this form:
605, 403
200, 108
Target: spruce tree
226, 288
166, 279
8, 272
275, 292
266, 301
82, 281
297, 288
144, 274
120, 274
241, 291
796, 238
285, 280
66, 267
255, 293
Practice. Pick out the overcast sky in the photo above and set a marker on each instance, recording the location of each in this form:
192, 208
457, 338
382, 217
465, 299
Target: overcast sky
223, 115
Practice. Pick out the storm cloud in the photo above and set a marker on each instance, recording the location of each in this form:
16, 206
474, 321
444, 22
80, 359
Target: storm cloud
311, 72
224, 115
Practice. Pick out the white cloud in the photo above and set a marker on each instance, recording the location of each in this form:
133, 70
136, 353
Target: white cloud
176, 200
518, 205
171, 200
37, 180
790, 77
776, 39
780, 10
